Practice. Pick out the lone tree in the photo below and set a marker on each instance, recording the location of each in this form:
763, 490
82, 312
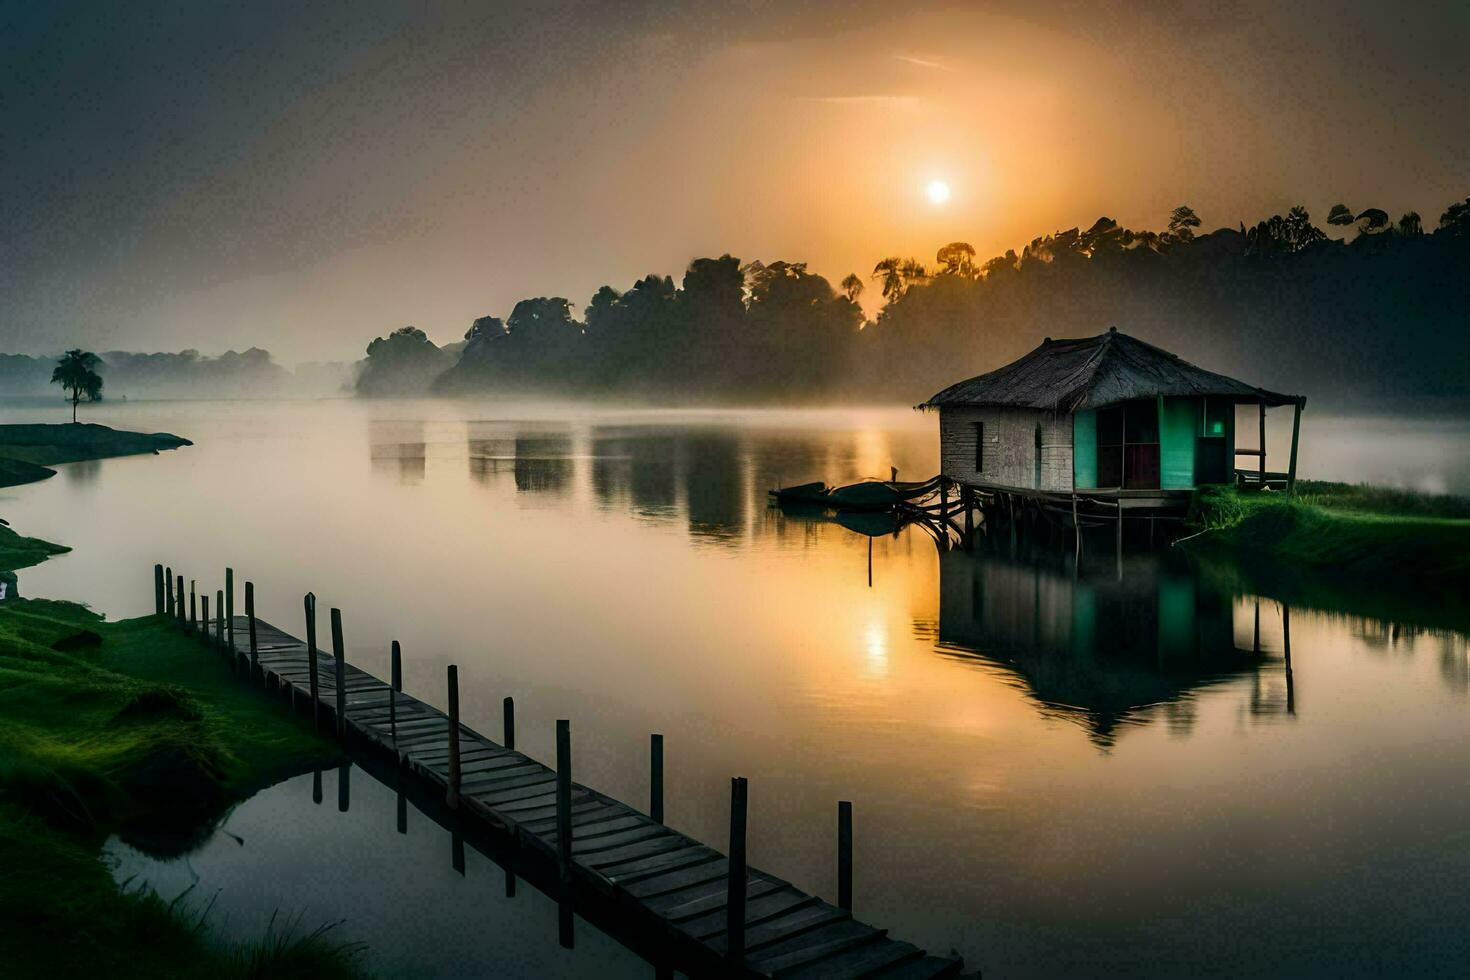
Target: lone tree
76, 372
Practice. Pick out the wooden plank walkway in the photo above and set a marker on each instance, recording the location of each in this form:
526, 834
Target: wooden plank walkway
669, 880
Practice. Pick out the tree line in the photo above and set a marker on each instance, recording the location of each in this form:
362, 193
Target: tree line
1376, 314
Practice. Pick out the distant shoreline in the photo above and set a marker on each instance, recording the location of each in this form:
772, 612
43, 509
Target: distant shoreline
27, 451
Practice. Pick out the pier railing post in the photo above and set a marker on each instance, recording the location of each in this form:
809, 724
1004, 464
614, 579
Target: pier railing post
313, 677
204, 616
564, 798
230, 608
395, 688
844, 855
179, 610
510, 723
339, 651
158, 600
193, 608
219, 619
250, 617
735, 881
454, 775
656, 777
168, 607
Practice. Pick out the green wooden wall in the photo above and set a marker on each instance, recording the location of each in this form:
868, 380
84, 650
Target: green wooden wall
1179, 425
1084, 448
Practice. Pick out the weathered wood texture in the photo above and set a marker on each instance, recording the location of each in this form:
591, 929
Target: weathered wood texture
669, 882
1010, 456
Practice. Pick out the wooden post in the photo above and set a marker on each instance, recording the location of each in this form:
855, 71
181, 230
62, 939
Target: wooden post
193, 608
396, 684
735, 881
316, 786
1261, 413
1256, 641
1118, 547
179, 605
219, 619
656, 777
344, 786
1296, 431
313, 677
158, 600
204, 615
339, 651
230, 607
169, 599
250, 617
510, 723
1076, 533
844, 855
564, 798
452, 797
1286, 645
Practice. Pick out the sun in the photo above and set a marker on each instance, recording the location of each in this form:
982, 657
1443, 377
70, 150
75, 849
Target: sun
937, 191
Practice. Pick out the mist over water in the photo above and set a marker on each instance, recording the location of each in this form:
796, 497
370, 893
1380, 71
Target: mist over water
1051, 769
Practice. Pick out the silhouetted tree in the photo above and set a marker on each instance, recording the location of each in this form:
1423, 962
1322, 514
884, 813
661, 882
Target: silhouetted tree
957, 259
1182, 223
1410, 225
76, 372
1340, 215
1374, 219
852, 287
1456, 218
406, 362
889, 271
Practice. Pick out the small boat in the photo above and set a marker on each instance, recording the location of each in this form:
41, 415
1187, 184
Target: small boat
871, 495
802, 493
872, 524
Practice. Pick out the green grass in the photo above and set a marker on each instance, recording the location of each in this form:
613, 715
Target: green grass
18, 551
1342, 531
134, 729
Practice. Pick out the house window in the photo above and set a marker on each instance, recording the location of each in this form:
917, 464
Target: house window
979, 447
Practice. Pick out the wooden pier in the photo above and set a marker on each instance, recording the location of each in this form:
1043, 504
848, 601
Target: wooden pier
669, 892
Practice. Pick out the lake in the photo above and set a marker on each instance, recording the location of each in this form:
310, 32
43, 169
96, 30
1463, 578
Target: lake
1052, 770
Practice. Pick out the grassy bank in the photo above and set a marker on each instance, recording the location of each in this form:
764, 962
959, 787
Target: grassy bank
27, 450
1366, 540
133, 729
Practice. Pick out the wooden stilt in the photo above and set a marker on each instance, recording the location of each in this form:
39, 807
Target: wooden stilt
180, 613
1286, 647
168, 606
204, 615
510, 723
158, 599
1261, 414
219, 619
193, 608
1296, 431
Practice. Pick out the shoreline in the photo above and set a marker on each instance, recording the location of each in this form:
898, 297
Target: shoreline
124, 729
28, 450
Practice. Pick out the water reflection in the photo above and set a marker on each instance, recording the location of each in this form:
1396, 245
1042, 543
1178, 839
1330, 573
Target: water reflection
1091, 647
427, 901
398, 449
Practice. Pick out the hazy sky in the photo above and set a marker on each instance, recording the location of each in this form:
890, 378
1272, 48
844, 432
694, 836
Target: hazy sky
212, 175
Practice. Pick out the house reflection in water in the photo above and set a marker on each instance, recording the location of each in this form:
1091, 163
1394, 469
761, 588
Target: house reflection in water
1094, 649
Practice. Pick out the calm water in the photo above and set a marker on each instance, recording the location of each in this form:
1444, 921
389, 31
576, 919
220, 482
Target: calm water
1050, 771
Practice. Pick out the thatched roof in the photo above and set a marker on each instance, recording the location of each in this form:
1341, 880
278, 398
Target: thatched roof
1070, 375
